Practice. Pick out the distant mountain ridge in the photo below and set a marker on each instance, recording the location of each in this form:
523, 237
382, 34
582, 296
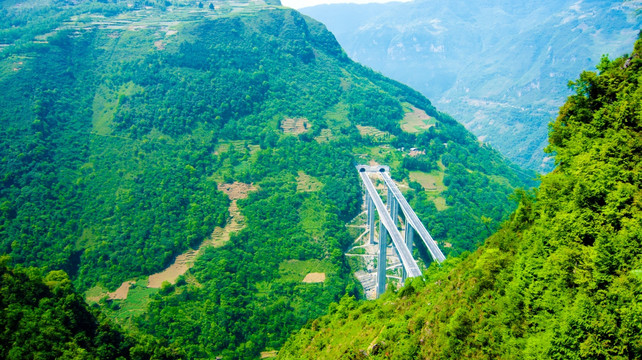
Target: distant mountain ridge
499, 67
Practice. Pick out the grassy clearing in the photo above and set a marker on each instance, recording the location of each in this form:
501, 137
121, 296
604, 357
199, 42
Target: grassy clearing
236, 145
415, 120
106, 103
122, 311
104, 108
86, 239
135, 304
310, 212
345, 83
296, 270
96, 293
374, 155
433, 183
440, 203
500, 180
337, 116
307, 183
12, 64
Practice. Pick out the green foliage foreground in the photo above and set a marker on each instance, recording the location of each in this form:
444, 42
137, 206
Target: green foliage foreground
562, 279
43, 317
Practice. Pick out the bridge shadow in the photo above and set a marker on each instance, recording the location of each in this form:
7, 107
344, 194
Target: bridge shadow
421, 249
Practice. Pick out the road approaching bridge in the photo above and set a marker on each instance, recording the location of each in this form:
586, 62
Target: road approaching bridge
388, 216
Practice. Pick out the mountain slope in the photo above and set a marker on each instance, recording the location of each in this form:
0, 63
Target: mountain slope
127, 126
498, 67
43, 317
563, 277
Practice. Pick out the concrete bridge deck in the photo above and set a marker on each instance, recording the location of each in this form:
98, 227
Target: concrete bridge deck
413, 219
388, 217
409, 263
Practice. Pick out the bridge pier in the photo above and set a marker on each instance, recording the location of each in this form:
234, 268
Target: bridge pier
371, 217
394, 211
388, 219
392, 204
409, 234
381, 261
412, 217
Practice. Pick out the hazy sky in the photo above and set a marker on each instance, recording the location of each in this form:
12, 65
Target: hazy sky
297, 4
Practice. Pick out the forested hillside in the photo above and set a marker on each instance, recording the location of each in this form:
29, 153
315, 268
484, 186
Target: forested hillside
44, 318
562, 279
127, 127
499, 67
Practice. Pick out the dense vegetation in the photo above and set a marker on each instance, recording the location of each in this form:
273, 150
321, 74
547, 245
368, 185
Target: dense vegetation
562, 279
118, 130
43, 317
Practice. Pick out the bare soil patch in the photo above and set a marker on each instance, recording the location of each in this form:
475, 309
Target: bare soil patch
236, 190
269, 354
121, 292
295, 125
373, 133
219, 237
160, 45
314, 278
325, 136
180, 266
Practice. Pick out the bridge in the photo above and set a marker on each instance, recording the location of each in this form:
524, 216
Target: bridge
388, 218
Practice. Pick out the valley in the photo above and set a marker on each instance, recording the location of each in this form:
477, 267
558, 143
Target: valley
557, 277
190, 170
142, 126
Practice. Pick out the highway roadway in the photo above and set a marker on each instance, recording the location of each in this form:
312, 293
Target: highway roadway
407, 260
412, 218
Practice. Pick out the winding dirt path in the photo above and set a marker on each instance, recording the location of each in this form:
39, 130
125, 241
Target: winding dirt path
219, 237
